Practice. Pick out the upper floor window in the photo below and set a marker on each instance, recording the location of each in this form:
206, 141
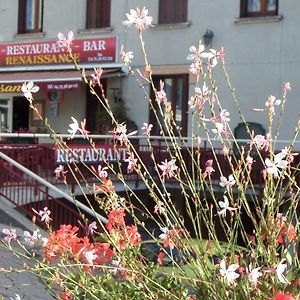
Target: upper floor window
172, 11
176, 89
98, 13
253, 8
30, 16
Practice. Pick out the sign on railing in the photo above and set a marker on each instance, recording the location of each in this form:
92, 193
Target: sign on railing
88, 154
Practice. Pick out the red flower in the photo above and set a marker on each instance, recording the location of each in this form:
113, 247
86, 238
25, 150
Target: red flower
116, 219
283, 297
107, 186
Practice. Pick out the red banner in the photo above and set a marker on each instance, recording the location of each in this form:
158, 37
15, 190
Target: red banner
87, 154
85, 51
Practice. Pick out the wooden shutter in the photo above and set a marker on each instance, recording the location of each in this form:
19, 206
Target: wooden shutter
22, 16
98, 13
172, 11
91, 13
103, 13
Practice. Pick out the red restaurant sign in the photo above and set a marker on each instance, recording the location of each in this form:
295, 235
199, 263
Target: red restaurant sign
85, 51
87, 154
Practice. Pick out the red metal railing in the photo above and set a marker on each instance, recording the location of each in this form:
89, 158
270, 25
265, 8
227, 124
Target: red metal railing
28, 194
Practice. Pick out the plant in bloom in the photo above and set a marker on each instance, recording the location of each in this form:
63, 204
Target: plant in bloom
168, 168
29, 88
224, 205
229, 273
274, 168
60, 172
228, 183
139, 18
126, 57
66, 42
10, 234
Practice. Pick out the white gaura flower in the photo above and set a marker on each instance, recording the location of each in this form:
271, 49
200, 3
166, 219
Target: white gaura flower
126, 57
74, 128
90, 256
224, 205
29, 88
254, 274
229, 274
32, 239
273, 168
139, 18
271, 103
196, 53
228, 183
279, 272
168, 168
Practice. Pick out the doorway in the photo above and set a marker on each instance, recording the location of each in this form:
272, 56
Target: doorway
20, 122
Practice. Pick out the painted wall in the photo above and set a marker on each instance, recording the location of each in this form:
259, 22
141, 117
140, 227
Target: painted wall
260, 56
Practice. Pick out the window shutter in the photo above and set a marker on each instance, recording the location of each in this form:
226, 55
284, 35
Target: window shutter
21, 16
91, 13
172, 11
103, 13
180, 14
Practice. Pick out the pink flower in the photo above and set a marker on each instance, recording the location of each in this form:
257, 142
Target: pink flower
161, 95
139, 18
83, 131
147, 128
208, 168
28, 89
271, 103
60, 172
65, 42
44, 214
97, 75
224, 116
11, 234
286, 88
221, 53
249, 162
261, 142
92, 228
195, 68
120, 134
168, 168
126, 57
132, 162
159, 208
196, 54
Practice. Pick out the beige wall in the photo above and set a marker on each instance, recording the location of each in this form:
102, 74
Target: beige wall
260, 56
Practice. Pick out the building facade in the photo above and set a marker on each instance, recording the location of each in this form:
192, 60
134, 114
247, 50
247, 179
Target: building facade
259, 38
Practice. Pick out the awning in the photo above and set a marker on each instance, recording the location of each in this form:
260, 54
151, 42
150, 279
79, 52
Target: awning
11, 82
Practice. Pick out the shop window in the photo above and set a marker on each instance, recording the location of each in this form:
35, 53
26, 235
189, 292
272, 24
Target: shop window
254, 8
4, 115
172, 11
30, 16
98, 13
176, 89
